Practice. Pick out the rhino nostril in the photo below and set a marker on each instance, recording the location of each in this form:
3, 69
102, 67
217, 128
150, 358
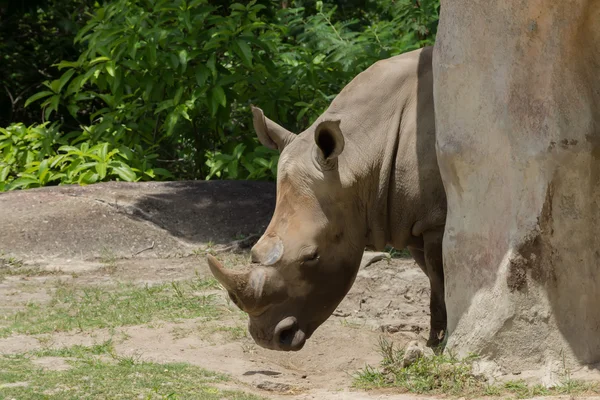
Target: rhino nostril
286, 336
255, 259
285, 332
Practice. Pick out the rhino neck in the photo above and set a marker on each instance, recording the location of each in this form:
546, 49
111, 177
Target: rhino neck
388, 122
369, 163
380, 197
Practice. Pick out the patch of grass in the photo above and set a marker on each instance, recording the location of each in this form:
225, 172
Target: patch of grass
234, 332
204, 283
448, 375
395, 253
12, 266
77, 351
9, 262
351, 324
92, 378
522, 391
208, 248
438, 374
127, 304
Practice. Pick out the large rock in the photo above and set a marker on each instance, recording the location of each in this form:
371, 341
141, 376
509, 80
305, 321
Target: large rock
517, 97
119, 219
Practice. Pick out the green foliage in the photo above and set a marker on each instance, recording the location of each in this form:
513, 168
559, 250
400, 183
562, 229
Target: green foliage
40, 155
259, 164
172, 80
34, 34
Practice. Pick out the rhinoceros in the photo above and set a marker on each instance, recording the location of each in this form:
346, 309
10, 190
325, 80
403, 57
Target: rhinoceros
363, 175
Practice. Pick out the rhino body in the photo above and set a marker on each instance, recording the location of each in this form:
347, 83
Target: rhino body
364, 175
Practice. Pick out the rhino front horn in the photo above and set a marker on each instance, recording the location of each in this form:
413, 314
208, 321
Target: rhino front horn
249, 290
237, 284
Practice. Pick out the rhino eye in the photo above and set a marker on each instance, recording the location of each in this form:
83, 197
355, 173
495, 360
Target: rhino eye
310, 258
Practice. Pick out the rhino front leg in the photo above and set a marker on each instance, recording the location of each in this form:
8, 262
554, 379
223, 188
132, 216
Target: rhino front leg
429, 258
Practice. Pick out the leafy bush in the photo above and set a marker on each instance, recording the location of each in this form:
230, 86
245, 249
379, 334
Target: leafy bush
168, 83
258, 164
34, 34
40, 155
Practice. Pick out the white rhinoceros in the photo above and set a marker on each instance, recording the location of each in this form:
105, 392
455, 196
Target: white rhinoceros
365, 174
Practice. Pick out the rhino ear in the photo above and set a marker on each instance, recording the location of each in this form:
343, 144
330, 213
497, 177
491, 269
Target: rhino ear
329, 139
269, 133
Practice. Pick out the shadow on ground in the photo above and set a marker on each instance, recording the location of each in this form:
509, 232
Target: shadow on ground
120, 219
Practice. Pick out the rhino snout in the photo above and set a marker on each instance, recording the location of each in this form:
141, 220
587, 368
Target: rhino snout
287, 336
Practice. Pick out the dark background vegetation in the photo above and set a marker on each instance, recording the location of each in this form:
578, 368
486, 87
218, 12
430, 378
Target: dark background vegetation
160, 89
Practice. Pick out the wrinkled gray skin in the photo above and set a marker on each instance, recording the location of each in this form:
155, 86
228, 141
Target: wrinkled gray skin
365, 174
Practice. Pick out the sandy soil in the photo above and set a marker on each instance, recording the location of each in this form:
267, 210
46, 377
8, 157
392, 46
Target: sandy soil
389, 298
155, 232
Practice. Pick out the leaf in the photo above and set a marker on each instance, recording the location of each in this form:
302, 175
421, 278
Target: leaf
241, 48
174, 61
67, 64
178, 95
98, 59
301, 113
211, 64
237, 6
232, 168
73, 109
88, 75
162, 172
219, 95
43, 170
37, 96
4, 171
163, 105
172, 120
238, 150
183, 59
101, 169
202, 75
74, 86
64, 79
87, 178
151, 54
123, 171
52, 107
23, 183
110, 68
108, 99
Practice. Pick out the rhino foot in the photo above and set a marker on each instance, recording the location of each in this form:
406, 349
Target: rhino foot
437, 340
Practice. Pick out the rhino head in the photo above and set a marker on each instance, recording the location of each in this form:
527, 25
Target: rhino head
309, 255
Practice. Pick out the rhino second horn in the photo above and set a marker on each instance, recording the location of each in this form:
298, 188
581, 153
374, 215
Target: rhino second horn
250, 290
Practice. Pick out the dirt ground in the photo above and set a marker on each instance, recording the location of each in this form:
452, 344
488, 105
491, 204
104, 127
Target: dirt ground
113, 234
389, 298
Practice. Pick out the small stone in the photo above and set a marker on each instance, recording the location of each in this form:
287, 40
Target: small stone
274, 386
486, 370
304, 376
414, 351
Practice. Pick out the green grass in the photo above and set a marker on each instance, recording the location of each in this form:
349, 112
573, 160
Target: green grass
395, 253
11, 266
448, 375
112, 377
127, 304
234, 332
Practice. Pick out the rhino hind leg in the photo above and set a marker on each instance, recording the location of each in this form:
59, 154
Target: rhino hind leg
430, 260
